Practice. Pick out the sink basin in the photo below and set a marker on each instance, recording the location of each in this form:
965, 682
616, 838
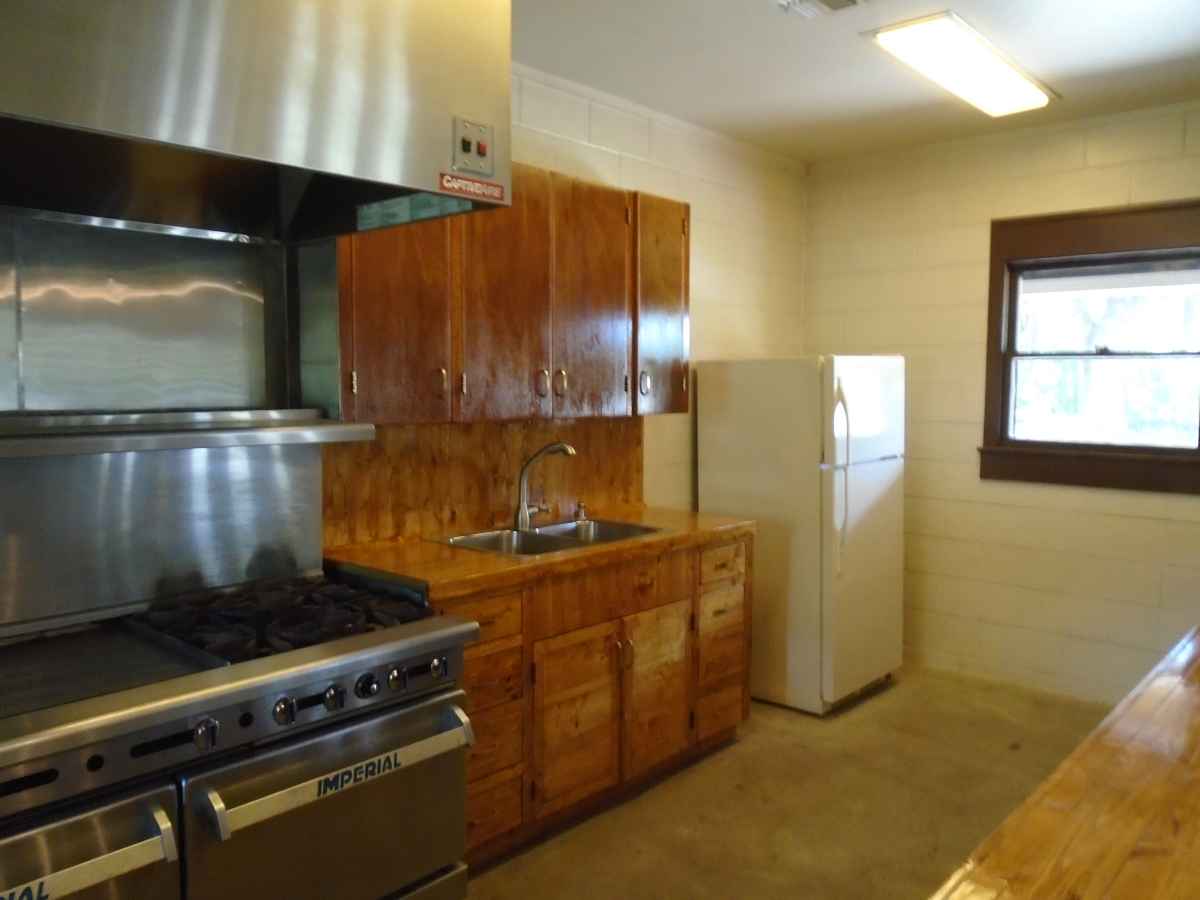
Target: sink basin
513, 543
595, 531
550, 538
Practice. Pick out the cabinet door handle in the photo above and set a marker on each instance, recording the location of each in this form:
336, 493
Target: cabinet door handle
543, 383
444, 380
645, 383
464, 384
564, 383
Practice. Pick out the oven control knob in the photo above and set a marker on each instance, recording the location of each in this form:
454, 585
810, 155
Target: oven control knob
398, 679
437, 667
204, 735
367, 686
334, 698
284, 712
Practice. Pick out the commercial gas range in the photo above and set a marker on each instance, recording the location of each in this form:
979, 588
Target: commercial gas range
300, 737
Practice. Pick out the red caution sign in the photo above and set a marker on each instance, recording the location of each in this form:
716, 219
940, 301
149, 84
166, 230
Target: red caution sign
472, 187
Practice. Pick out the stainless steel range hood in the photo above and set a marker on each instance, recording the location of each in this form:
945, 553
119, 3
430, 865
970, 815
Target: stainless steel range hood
279, 119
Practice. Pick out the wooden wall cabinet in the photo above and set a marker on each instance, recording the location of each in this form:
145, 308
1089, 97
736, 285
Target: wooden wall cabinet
397, 289
571, 303
591, 307
504, 362
661, 324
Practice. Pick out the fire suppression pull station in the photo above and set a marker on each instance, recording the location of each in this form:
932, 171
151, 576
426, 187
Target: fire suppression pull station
473, 147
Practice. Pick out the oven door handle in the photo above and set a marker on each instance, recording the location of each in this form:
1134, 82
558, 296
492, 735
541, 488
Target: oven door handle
229, 820
156, 849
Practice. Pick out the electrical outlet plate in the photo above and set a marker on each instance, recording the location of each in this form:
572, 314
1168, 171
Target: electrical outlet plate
474, 148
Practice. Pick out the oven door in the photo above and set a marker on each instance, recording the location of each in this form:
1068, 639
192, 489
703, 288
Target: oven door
123, 850
357, 812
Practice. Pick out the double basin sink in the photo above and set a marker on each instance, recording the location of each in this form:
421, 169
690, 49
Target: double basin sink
550, 538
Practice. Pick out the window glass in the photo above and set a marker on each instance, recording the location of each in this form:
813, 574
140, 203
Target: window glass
1145, 307
1142, 401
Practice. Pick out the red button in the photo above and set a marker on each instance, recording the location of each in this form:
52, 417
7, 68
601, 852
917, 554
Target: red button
481, 147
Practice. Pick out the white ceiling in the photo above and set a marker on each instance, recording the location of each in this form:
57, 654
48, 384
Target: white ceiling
815, 88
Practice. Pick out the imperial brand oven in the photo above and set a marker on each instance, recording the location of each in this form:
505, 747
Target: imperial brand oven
297, 735
191, 703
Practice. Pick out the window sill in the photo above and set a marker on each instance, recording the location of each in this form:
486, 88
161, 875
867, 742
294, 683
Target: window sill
1166, 471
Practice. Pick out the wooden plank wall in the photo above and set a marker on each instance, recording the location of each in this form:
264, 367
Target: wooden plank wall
428, 481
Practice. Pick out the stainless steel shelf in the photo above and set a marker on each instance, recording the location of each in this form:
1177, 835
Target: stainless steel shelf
75, 435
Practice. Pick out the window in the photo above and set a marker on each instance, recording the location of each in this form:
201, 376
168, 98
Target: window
1094, 350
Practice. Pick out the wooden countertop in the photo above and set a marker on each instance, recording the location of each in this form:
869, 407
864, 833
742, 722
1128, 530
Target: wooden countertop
1120, 818
454, 572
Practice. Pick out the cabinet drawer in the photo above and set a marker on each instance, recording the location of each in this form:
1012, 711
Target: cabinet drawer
722, 654
494, 806
722, 633
723, 608
493, 674
499, 740
498, 615
720, 563
719, 710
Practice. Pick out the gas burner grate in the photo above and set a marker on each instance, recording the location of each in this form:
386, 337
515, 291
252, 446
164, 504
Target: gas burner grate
250, 621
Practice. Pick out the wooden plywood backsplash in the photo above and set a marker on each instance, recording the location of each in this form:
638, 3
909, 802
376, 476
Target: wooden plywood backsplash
428, 481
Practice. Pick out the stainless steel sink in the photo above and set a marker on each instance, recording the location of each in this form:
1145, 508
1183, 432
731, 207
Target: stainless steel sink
595, 531
550, 538
513, 543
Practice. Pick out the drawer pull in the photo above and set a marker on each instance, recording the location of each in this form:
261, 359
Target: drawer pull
98, 870
227, 820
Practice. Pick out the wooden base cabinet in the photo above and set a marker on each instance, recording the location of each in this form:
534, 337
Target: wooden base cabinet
589, 682
576, 717
494, 679
722, 640
657, 686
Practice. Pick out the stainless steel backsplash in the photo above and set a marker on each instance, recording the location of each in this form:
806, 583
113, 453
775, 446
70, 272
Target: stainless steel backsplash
108, 319
86, 536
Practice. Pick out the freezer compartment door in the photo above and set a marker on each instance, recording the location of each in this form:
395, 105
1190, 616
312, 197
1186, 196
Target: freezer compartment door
863, 408
356, 813
123, 850
862, 597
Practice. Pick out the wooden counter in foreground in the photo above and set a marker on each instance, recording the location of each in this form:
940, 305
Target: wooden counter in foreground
1120, 818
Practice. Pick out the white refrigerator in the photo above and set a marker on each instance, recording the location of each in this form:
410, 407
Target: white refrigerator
813, 449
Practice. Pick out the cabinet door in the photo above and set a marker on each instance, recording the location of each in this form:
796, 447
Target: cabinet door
400, 296
505, 322
577, 720
591, 307
661, 316
656, 686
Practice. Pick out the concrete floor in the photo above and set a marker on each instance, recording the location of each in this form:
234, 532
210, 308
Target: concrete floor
883, 800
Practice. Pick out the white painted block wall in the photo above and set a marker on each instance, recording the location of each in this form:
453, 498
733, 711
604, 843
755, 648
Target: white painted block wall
748, 230
1072, 590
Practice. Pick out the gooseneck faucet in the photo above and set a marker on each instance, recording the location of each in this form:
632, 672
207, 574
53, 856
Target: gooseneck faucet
523, 507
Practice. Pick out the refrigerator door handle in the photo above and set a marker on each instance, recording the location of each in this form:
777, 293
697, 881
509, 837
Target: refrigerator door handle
839, 399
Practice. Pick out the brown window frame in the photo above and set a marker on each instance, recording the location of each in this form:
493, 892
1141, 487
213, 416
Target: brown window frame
1092, 237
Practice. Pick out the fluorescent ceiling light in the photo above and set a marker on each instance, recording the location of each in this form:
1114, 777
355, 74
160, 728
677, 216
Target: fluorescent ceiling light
947, 50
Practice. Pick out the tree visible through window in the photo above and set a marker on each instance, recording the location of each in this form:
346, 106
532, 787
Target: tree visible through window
1093, 358
1108, 355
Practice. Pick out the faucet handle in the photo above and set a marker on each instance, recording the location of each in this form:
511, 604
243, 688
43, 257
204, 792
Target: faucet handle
581, 512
